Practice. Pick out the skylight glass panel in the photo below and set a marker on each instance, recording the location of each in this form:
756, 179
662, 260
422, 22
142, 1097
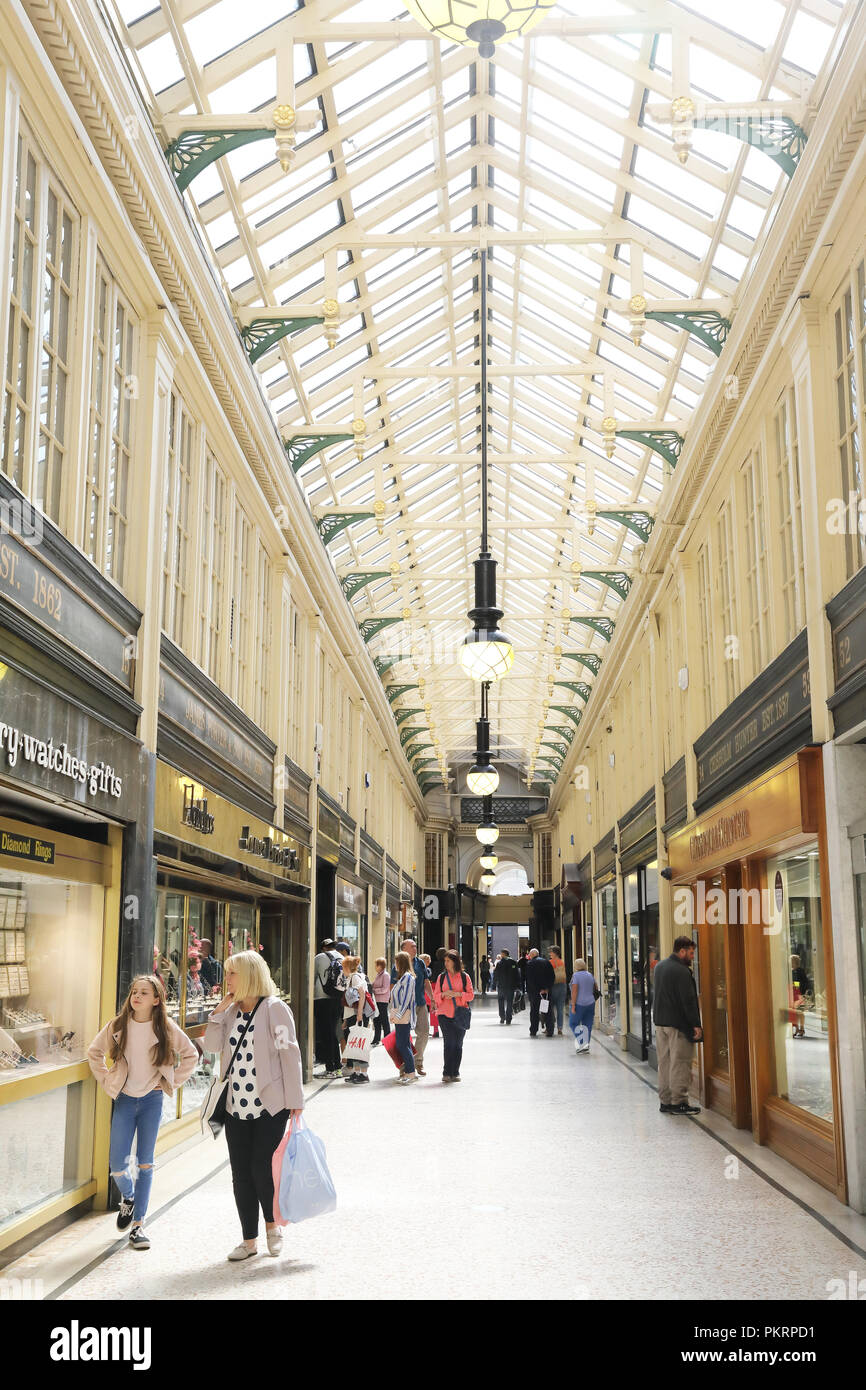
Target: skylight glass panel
226, 25
249, 90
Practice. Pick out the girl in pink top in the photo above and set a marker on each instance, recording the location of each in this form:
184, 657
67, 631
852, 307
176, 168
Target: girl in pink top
150, 1057
452, 991
381, 988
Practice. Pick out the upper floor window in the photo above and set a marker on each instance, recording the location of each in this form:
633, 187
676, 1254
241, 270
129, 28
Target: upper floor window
705, 612
213, 565
850, 380
757, 589
239, 623
725, 571
263, 637
112, 399
176, 577
790, 520
39, 345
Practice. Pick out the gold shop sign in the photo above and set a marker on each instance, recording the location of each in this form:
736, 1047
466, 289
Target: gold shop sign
728, 830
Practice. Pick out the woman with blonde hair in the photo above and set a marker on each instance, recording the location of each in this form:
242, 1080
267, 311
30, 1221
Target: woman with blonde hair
257, 1030
584, 992
355, 990
150, 1058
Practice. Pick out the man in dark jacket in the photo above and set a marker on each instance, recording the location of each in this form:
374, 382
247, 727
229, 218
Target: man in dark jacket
677, 1020
506, 978
540, 979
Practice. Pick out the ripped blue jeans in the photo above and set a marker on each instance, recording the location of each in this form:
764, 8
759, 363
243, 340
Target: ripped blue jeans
137, 1116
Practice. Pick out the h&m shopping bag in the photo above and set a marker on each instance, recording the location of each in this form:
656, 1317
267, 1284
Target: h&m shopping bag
306, 1187
357, 1047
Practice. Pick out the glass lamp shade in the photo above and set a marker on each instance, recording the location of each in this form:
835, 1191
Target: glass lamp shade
487, 833
489, 861
486, 655
482, 779
484, 22
488, 878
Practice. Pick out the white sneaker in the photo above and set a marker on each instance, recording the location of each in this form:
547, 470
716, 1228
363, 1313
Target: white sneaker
275, 1241
242, 1252
408, 1079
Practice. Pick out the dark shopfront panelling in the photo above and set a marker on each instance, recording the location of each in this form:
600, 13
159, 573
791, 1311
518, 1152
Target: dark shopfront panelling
847, 617
605, 858
771, 718
210, 737
676, 796
370, 861
637, 833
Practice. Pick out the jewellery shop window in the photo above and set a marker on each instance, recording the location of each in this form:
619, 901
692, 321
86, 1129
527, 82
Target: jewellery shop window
194, 937
51, 939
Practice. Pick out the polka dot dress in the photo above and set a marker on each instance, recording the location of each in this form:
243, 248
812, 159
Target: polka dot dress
243, 1098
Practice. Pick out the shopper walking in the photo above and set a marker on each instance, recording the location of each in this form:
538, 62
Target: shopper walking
484, 973
151, 1057
559, 993
677, 1019
265, 1089
404, 1011
422, 1027
453, 992
327, 1006
506, 978
584, 992
540, 980
355, 990
381, 990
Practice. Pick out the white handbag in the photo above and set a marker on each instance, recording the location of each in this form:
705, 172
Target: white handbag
544, 1005
358, 1044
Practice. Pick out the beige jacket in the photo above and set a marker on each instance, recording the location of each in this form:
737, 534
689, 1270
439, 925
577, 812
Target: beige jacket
172, 1075
276, 1055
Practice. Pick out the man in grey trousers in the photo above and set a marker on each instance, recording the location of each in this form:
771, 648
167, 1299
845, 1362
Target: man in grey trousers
677, 1020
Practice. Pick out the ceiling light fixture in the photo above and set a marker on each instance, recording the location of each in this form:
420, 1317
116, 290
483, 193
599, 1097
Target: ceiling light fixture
484, 22
487, 833
486, 654
489, 860
482, 779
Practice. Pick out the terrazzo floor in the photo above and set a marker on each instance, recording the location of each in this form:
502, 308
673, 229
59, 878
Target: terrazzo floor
542, 1175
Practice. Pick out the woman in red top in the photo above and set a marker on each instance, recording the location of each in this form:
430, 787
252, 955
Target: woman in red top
452, 989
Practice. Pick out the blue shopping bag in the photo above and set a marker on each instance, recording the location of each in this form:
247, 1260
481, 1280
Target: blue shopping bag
306, 1186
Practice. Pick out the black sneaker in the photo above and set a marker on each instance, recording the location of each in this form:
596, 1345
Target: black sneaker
124, 1216
684, 1109
138, 1240
665, 1109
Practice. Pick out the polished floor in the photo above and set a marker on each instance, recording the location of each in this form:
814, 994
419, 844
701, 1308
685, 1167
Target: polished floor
543, 1174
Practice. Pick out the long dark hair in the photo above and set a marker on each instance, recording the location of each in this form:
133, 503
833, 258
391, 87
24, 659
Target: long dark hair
452, 955
163, 1051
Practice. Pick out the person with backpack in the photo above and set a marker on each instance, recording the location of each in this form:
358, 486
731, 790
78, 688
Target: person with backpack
358, 1009
584, 993
506, 979
150, 1058
453, 993
404, 1015
559, 991
327, 1006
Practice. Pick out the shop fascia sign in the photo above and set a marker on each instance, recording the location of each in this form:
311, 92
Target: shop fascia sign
195, 811
264, 848
96, 778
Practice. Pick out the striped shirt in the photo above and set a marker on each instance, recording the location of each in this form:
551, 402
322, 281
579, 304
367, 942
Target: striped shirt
403, 998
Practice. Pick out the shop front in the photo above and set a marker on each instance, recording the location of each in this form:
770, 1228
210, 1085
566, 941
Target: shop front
640, 892
584, 928
393, 913
73, 804
371, 872
607, 933
750, 885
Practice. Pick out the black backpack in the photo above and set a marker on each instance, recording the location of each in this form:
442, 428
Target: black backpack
332, 975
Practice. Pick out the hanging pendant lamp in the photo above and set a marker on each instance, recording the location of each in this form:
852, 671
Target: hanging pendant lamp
485, 22
487, 832
482, 779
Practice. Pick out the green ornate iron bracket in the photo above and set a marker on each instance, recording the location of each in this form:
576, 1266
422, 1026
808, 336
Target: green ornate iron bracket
191, 152
302, 447
618, 581
603, 626
639, 522
711, 327
330, 526
395, 691
779, 137
419, 748
407, 735
562, 731
587, 659
422, 763
261, 335
571, 714
579, 687
559, 748
354, 583
668, 443
383, 664
371, 627
401, 715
